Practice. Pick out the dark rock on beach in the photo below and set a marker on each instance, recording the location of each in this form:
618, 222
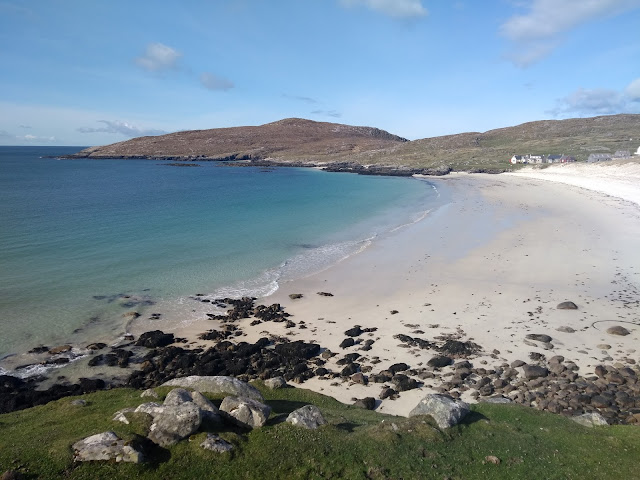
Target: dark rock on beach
154, 339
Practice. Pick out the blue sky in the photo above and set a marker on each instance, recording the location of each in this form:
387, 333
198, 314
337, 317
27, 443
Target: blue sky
78, 72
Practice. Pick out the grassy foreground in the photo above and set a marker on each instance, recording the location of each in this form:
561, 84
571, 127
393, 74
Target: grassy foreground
356, 444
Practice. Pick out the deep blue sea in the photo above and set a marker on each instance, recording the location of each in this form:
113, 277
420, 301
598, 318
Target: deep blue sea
83, 242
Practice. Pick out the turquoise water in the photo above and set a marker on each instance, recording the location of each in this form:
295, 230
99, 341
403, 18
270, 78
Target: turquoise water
83, 242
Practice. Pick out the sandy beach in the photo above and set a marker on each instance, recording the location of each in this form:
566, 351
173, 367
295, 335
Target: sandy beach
490, 267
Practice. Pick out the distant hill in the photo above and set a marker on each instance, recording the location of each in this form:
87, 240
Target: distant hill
299, 140
291, 139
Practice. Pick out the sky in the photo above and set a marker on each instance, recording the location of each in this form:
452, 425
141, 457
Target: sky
78, 72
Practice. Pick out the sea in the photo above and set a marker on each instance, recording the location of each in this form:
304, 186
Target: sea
88, 245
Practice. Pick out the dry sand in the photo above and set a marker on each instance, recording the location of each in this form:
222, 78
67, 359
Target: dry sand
490, 267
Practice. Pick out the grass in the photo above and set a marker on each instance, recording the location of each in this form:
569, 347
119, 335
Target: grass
356, 444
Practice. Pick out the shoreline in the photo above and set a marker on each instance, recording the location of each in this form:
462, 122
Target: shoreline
488, 267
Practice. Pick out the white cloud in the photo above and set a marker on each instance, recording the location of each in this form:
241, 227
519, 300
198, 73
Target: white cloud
393, 8
214, 82
159, 57
633, 90
600, 101
537, 32
122, 128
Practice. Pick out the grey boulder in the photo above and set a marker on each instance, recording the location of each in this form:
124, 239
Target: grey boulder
446, 411
246, 412
308, 416
209, 411
275, 383
216, 384
174, 422
590, 420
567, 306
105, 446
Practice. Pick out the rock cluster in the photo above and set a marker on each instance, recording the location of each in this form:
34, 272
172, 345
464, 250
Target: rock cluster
185, 412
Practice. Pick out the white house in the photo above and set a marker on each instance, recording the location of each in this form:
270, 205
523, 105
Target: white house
638, 151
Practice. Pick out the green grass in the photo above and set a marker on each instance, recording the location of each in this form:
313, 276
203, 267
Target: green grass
356, 444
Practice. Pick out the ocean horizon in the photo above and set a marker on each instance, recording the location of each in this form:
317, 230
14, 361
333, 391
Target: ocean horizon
89, 246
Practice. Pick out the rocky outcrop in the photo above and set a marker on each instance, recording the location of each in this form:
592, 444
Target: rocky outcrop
105, 446
446, 411
216, 385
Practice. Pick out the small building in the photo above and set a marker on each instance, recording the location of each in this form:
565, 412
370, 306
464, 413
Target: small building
638, 151
554, 158
535, 158
567, 159
599, 157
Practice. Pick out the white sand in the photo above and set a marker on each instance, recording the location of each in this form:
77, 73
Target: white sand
491, 266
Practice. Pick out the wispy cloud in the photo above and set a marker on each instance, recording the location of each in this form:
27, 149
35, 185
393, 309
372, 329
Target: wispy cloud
392, 8
327, 113
214, 82
537, 32
123, 128
599, 101
299, 98
4, 135
27, 127
159, 57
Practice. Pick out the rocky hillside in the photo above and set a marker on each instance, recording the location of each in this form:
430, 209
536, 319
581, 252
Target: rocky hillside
291, 139
299, 140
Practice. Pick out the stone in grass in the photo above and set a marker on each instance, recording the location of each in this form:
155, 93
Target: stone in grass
593, 419
175, 422
446, 411
245, 412
275, 383
105, 446
149, 393
618, 330
567, 306
216, 444
11, 475
309, 417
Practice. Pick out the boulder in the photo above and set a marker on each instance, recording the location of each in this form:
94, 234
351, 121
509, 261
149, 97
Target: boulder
244, 411
567, 306
216, 385
105, 446
151, 408
446, 411
497, 400
618, 330
174, 422
439, 362
308, 416
149, 393
208, 410
368, 403
590, 420
154, 339
534, 371
277, 382
120, 415
216, 444
539, 337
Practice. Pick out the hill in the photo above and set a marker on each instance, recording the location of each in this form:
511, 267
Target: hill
306, 141
285, 140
